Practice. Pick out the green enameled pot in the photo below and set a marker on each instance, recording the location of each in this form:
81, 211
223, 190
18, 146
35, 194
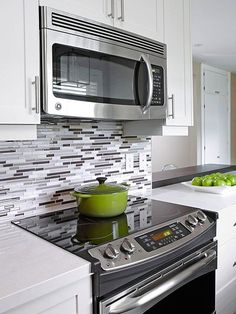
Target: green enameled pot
102, 200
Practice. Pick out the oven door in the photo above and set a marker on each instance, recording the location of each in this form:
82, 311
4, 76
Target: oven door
191, 281
88, 78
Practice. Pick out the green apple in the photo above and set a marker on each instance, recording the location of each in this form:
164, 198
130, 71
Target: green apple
197, 181
207, 181
219, 182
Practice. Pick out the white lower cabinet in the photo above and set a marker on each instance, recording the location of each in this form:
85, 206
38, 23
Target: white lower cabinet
226, 299
226, 268
73, 299
226, 264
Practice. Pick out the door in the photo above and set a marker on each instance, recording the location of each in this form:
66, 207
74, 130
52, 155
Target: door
99, 10
216, 119
19, 62
140, 17
179, 62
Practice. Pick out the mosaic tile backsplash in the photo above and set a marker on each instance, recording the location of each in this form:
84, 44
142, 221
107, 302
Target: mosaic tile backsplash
38, 176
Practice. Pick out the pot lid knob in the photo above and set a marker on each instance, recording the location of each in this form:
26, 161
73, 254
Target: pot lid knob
101, 180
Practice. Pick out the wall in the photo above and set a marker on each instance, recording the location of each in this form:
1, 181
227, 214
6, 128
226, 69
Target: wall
180, 151
176, 150
38, 176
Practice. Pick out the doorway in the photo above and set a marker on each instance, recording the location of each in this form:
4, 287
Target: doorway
215, 90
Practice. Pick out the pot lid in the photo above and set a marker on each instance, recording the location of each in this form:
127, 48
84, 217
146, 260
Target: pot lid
102, 188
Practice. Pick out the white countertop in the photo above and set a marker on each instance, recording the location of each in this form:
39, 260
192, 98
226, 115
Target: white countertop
31, 267
183, 195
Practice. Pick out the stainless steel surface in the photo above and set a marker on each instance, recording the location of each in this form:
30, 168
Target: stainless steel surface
205, 255
61, 28
131, 302
201, 216
111, 14
80, 26
193, 221
127, 246
172, 114
36, 84
139, 254
146, 60
122, 11
111, 252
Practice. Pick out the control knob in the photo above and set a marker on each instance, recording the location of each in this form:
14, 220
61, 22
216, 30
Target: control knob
127, 246
192, 221
111, 252
201, 216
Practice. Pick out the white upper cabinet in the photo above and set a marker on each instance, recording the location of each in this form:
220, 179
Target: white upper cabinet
140, 17
19, 63
131, 15
177, 36
98, 10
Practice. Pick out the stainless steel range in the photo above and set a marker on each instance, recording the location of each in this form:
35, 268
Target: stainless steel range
152, 259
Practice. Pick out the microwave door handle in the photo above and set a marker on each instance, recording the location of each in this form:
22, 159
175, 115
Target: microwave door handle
130, 303
148, 102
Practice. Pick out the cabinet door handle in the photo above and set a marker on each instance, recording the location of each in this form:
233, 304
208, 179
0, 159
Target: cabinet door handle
111, 14
172, 114
36, 84
122, 10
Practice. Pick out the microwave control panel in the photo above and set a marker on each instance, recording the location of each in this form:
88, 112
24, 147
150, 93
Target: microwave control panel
158, 86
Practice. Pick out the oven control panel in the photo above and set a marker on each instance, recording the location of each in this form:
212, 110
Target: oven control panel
152, 242
163, 236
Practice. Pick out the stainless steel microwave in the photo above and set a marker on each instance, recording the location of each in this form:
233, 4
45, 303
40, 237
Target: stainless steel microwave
94, 71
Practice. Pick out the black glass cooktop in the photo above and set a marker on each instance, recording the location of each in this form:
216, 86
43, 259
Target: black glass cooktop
76, 233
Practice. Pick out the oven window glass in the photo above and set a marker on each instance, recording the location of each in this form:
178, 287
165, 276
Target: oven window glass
199, 294
92, 76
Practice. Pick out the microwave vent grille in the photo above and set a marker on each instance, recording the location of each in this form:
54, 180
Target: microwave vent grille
68, 23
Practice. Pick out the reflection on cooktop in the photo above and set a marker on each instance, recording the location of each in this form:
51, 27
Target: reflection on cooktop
75, 233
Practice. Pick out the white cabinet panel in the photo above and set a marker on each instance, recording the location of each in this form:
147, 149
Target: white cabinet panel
98, 10
139, 17
177, 31
75, 298
226, 270
19, 61
226, 225
225, 300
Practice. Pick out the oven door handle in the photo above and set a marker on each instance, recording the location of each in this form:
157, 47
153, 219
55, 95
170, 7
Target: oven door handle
129, 303
148, 102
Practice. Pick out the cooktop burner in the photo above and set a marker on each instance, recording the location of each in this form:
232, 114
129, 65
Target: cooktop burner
76, 233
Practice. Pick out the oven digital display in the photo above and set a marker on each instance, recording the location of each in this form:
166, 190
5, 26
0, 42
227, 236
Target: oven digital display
161, 235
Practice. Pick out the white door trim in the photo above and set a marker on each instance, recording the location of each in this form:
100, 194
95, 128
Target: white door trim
205, 67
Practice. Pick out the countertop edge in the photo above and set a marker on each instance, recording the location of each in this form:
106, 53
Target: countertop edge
169, 177
21, 253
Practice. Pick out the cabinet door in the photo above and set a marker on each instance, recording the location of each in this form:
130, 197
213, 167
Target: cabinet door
140, 17
19, 62
98, 10
179, 62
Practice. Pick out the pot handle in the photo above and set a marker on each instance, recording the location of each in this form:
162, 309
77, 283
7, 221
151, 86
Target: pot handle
101, 180
77, 194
